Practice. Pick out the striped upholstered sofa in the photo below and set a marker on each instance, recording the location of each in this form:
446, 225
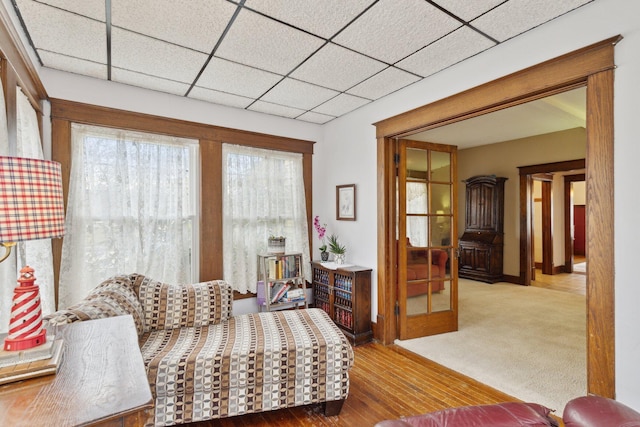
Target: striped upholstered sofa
203, 363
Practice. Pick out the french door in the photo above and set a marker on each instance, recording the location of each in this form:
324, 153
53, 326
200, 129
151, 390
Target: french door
427, 237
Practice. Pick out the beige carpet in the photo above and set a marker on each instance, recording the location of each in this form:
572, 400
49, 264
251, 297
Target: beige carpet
525, 341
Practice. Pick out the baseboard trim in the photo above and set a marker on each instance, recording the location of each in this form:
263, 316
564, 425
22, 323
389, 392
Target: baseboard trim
516, 280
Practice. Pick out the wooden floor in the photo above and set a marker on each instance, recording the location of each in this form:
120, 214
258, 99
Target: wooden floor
386, 383
566, 282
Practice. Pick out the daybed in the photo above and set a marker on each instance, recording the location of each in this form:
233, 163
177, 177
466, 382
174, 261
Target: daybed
203, 363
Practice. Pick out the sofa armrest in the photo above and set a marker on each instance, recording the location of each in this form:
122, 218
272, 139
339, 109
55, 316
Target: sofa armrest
113, 297
592, 411
439, 258
168, 306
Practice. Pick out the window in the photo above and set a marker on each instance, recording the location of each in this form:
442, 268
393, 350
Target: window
132, 209
263, 195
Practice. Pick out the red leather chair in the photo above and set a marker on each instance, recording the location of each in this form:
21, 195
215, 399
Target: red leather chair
418, 269
586, 411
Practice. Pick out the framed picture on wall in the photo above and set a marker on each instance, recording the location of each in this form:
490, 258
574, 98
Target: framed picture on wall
346, 202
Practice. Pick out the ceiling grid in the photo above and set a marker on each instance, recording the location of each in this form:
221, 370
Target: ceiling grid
308, 60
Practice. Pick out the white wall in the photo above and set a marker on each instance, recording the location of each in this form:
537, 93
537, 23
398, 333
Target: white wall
347, 152
88, 90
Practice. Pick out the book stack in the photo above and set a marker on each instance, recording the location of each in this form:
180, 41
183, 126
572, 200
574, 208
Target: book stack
34, 362
278, 291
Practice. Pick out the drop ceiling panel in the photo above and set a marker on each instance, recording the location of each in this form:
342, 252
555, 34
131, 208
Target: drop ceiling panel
221, 98
149, 82
238, 79
383, 83
73, 35
266, 44
326, 68
517, 16
73, 65
131, 51
196, 24
90, 8
393, 29
275, 109
455, 47
322, 18
468, 10
298, 94
340, 105
312, 117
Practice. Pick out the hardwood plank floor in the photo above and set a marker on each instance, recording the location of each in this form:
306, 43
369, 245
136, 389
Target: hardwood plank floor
566, 282
386, 383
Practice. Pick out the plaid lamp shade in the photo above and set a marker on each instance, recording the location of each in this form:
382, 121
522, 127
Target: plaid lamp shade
31, 204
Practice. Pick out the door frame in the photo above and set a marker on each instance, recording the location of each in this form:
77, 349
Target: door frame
592, 66
527, 265
568, 223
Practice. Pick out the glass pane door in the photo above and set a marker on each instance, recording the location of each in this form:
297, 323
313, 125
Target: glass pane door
427, 279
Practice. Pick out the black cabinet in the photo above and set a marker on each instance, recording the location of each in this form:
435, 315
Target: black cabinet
481, 244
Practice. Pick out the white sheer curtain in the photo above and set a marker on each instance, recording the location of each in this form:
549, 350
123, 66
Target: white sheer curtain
8, 272
131, 209
34, 253
417, 203
263, 194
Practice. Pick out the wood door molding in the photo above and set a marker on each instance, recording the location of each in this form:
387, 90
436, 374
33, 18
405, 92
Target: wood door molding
568, 240
527, 174
591, 66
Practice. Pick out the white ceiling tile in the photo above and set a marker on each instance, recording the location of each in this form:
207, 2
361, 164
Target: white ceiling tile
341, 104
142, 54
468, 10
312, 117
322, 18
416, 22
221, 98
298, 94
72, 35
239, 79
263, 43
447, 51
328, 68
278, 110
73, 65
517, 16
148, 82
383, 83
92, 8
196, 24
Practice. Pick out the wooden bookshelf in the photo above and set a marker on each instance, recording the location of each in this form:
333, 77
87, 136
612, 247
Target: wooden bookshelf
345, 294
281, 283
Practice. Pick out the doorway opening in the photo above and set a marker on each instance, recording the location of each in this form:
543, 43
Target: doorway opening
593, 67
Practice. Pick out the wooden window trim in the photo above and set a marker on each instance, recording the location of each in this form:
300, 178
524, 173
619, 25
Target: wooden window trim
210, 138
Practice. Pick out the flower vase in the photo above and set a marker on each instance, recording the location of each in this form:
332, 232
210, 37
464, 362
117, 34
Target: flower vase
324, 255
339, 259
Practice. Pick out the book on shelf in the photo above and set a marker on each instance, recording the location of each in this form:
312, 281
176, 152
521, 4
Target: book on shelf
278, 291
296, 294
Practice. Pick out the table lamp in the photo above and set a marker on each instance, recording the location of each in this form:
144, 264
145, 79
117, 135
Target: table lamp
31, 207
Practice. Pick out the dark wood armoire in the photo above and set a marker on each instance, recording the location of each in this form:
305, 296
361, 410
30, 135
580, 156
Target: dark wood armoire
481, 244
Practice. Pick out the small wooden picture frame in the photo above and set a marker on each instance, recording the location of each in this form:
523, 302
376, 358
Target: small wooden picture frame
346, 202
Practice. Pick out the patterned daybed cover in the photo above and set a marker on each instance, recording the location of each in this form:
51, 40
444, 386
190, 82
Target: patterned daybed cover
204, 363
